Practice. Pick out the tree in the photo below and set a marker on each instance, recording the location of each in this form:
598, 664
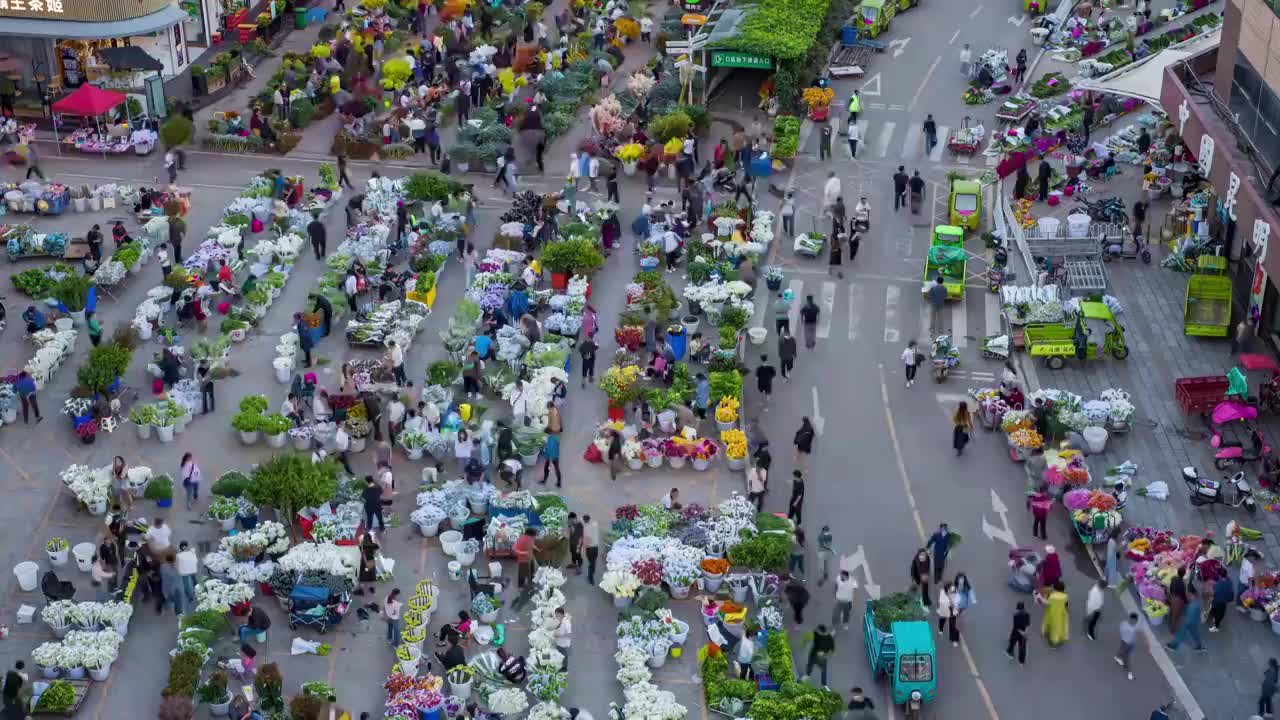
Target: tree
291, 482
177, 130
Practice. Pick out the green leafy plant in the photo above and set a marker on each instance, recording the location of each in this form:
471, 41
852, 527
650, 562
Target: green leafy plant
275, 424
897, 607
213, 691
247, 422
725, 384
786, 136
782, 29
734, 317
430, 187
673, 125
57, 698
291, 482
254, 404
573, 255
73, 291
159, 488
184, 674
443, 372
176, 131
762, 552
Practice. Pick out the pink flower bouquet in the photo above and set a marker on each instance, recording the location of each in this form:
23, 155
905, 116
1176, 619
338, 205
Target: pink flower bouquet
1076, 499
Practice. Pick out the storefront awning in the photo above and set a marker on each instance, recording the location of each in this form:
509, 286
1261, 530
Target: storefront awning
1142, 79
129, 58
66, 29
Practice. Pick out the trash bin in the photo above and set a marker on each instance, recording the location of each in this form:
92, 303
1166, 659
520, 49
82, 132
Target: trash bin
1078, 224
84, 553
300, 18
848, 35
1096, 437
26, 572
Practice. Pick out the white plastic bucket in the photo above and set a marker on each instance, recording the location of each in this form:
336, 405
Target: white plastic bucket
455, 570
84, 556
449, 540
757, 335
26, 573
1078, 224
466, 558
1096, 437
1048, 226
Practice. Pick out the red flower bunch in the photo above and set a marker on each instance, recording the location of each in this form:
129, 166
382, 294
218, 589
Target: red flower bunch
648, 571
87, 429
630, 337
626, 512
675, 449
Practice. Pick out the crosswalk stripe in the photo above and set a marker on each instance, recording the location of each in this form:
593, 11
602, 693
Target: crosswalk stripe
936, 155
991, 303
964, 159
891, 295
855, 309
828, 309
959, 326
796, 287
912, 144
925, 335
884, 139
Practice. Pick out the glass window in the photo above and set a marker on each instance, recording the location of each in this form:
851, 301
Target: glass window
1247, 81
915, 668
1266, 133
966, 203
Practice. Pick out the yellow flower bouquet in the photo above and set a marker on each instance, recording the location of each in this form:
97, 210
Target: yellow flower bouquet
817, 97
727, 410
630, 152
735, 444
1025, 438
673, 146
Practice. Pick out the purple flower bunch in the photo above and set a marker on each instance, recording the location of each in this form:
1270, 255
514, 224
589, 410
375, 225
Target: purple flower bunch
491, 300
694, 535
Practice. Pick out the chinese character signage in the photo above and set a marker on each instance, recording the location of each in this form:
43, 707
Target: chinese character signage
1258, 289
80, 10
734, 59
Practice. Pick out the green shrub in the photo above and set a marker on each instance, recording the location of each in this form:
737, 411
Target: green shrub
232, 484
672, 125
159, 488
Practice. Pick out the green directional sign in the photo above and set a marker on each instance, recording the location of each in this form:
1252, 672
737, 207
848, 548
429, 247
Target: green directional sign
735, 59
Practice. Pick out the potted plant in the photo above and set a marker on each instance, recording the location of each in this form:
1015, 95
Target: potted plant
462, 155
819, 102
414, 444
223, 510
164, 423
773, 278
359, 430
57, 548
274, 426
160, 489
460, 679
428, 519
73, 293
215, 693
630, 155
572, 256
486, 606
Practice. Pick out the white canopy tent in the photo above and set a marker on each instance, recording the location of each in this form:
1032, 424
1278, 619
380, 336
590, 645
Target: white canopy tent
1142, 79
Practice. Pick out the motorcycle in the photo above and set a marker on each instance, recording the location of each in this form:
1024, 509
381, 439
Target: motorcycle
1232, 453
1235, 492
945, 357
862, 220
913, 708
1119, 248
1108, 210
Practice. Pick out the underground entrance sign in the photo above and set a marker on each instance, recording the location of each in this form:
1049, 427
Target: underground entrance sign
732, 59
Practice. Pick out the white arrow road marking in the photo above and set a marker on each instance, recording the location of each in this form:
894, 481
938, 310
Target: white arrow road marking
1004, 534
891, 295
871, 88
851, 564
1017, 20
818, 421
899, 45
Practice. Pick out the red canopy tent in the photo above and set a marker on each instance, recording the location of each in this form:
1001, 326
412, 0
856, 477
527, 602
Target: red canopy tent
88, 101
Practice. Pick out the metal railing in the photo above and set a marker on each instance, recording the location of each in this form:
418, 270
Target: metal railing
1203, 95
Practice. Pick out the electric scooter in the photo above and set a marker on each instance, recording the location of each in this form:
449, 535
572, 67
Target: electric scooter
1119, 248
1235, 492
1231, 453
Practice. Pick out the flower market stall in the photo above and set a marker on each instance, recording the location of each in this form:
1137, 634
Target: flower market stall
1156, 555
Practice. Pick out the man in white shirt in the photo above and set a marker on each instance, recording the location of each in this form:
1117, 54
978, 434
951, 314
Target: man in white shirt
1093, 607
395, 416
671, 500
564, 628
158, 536
349, 287
519, 403
830, 192
853, 140
574, 175
188, 567
396, 355
342, 443
671, 246
646, 29
845, 587
171, 165
593, 172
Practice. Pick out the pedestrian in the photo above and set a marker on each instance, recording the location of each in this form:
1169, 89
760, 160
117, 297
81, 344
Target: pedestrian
788, 213
1043, 173
190, 473
830, 192
1088, 120
1113, 556
1018, 634
1128, 639
611, 184
1240, 338
962, 427
564, 635
204, 375
756, 487
551, 455
930, 134
94, 239
911, 359
1055, 627
1245, 576
590, 546
1223, 593
795, 505
587, 349
859, 701
316, 231
809, 320
920, 570
372, 496
615, 454
1093, 607
1270, 680
277, 102
1050, 570
835, 259
524, 548
1190, 627
763, 459
845, 588
343, 178
937, 298
824, 143
764, 378
1020, 69
350, 288
948, 613
795, 565
171, 591
966, 61
171, 166
33, 163
940, 543
94, 327
786, 352
820, 651
853, 140
396, 356
305, 341
916, 185
782, 313
838, 217
746, 653
804, 442
855, 106
575, 542
1039, 504
391, 609
825, 552
900, 180
1178, 599
797, 597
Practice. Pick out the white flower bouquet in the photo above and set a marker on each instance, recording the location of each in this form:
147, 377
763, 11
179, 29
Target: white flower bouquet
646, 702
312, 557
115, 614
89, 485
58, 614
428, 515
547, 711
217, 595
269, 537
632, 666
707, 293
620, 583
508, 701
46, 654
110, 273
548, 577
96, 649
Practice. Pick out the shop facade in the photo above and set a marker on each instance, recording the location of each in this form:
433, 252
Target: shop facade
1202, 99
56, 40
